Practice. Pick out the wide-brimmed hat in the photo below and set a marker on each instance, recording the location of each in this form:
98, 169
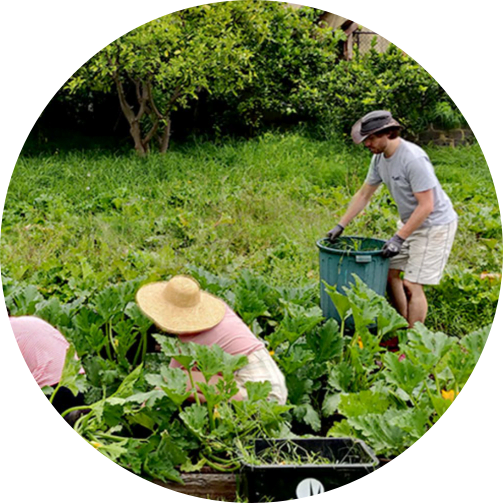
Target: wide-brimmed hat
372, 123
179, 306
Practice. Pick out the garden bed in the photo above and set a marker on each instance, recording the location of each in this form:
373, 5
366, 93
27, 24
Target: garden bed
213, 485
209, 485
340, 385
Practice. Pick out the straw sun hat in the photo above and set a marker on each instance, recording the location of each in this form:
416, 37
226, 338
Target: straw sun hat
179, 306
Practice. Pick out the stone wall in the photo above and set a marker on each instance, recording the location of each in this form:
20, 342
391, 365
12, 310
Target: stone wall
451, 137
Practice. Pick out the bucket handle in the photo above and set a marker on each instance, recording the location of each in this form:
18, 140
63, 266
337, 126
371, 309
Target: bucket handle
363, 259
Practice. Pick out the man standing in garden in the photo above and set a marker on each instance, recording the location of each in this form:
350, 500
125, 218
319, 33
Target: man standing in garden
421, 246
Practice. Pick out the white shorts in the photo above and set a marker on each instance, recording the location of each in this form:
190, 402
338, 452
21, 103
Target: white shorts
424, 253
261, 367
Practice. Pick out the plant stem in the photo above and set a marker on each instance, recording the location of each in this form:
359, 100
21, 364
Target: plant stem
144, 348
437, 383
78, 407
210, 407
107, 337
191, 378
141, 348
221, 468
135, 359
54, 393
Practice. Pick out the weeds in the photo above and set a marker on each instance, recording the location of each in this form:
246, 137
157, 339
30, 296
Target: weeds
78, 221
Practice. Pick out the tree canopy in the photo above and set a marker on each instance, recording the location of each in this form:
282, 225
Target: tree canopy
222, 49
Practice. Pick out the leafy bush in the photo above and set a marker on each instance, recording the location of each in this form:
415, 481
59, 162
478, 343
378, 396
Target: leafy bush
289, 53
391, 80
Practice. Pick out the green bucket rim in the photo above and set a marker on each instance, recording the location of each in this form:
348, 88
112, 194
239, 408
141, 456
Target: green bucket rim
334, 251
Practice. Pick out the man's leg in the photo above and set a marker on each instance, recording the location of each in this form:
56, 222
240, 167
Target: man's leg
396, 291
417, 303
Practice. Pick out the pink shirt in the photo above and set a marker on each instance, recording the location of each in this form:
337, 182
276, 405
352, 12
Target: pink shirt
231, 334
42, 346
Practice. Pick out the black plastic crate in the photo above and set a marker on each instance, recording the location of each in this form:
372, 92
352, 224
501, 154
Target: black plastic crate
346, 460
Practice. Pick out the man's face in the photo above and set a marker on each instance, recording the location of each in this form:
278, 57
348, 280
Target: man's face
376, 143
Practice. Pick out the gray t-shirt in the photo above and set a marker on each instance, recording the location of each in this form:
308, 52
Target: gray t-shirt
407, 171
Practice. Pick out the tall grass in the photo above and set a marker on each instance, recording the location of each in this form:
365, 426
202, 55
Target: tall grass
79, 220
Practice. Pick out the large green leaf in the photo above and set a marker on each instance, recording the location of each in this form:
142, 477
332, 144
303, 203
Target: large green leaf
71, 376
113, 450
297, 358
196, 419
299, 387
340, 301
253, 297
307, 414
330, 404
232, 363
184, 354
341, 377
297, 322
363, 402
403, 374
461, 364
161, 462
425, 347
173, 381
326, 343
380, 433
476, 341
389, 320
258, 390
210, 360
127, 387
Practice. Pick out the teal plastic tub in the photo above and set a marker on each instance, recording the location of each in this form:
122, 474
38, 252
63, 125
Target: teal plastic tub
350, 255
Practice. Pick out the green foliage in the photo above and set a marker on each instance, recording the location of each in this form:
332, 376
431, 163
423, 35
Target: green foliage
181, 435
252, 54
338, 383
169, 61
249, 224
260, 206
249, 64
289, 52
390, 80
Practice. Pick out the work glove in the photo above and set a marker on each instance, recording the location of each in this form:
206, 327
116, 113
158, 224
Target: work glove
335, 233
392, 246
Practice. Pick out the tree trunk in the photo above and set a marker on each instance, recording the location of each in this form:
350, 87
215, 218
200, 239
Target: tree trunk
166, 134
135, 132
142, 94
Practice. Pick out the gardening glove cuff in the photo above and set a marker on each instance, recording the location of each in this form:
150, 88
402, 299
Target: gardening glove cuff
393, 246
335, 233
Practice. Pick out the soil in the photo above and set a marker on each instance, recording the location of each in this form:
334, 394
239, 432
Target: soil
205, 484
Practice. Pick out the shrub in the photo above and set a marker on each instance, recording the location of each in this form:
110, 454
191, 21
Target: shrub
390, 80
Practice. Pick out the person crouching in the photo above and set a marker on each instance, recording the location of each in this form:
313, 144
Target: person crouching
180, 307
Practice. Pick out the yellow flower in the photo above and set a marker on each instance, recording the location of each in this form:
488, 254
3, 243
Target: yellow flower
360, 343
271, 352
216, 414
490, 276
96, 445
448, 395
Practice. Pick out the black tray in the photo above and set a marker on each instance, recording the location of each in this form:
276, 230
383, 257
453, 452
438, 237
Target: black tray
352, 459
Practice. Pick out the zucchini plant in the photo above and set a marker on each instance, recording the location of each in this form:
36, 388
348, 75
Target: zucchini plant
158, 422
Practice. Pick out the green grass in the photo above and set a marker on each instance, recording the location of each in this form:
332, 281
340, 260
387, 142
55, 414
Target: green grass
81, 220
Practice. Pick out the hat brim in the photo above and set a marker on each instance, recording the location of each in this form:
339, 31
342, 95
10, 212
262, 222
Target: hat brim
208, 313
358, 137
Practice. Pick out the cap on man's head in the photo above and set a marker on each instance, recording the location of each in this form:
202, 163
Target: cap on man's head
372, 123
